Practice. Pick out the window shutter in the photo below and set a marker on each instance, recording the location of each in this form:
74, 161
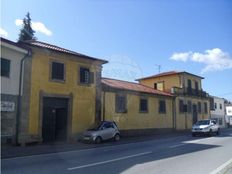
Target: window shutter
91, 77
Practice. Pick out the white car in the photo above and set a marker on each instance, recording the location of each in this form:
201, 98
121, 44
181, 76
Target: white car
205, 127
103, 130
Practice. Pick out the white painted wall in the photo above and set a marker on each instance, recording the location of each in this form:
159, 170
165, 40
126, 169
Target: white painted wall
219, 113
14, 54
229, 115
229, 110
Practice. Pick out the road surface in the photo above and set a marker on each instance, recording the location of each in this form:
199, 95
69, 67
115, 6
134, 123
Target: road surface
174, 155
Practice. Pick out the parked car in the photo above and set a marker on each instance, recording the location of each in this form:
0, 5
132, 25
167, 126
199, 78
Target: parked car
103, 130
205, 127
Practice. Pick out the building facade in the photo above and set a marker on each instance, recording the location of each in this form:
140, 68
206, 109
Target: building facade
12, 56
53, 94
228, 114
191, 102
218, 111
137, 109
62, 95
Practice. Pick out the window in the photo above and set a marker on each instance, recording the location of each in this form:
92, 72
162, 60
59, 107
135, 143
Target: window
162, 106
189, 86
199, 107
57, 71
143, 105
181, 106
220, 106
159, 86
155, 85
220, 121
5, 67
86, 77
108, 125
189, 107
120, 104
196, 88
215, 105
205, 107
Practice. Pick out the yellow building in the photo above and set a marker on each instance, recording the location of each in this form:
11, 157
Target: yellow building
61, 93
137, 109
191, 102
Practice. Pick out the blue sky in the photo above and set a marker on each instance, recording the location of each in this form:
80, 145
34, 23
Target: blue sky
137, 36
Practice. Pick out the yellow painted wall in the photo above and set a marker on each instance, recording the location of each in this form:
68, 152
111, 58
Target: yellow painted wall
179, 80
133, 119
185, 119
169, 82
83, 107
193, 79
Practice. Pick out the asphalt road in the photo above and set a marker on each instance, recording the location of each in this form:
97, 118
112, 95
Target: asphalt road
174, 155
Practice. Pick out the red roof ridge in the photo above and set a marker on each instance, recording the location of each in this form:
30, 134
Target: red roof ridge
161, 74
140, 87
57, 48
107, 78
167, 74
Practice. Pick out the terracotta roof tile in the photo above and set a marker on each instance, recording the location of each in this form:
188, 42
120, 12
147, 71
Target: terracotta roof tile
169, 73
161, 74
59, 49
119, 84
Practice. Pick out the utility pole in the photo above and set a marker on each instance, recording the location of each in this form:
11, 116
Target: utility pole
159, 68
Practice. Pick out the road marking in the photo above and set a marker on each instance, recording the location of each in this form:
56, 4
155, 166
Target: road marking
223, 167
198, 140
178, 145
71, 151
108, 161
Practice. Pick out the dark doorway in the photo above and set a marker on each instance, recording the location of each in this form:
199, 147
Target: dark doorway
55, 114
194, 114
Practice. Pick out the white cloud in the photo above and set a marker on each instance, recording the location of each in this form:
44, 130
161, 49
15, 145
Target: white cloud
37, 26
18, 22
214, 59
180, 56
3, 33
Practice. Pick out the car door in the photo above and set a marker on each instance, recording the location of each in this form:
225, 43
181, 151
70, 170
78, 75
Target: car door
213, 126
106, 131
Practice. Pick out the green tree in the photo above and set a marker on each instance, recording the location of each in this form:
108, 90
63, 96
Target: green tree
26, 33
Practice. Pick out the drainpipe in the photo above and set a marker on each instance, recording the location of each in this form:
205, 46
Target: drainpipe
103, 106
174, 113
19, 97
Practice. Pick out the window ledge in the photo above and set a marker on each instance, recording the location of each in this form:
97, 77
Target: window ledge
57, 80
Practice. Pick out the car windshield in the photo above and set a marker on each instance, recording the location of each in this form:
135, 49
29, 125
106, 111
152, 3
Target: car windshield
95, 126
203, 122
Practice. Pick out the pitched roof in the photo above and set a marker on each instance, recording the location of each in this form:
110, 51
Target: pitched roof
59, 49
13, 43
119, 84
169, 73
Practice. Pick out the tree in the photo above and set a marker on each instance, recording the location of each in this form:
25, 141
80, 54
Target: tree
26, 33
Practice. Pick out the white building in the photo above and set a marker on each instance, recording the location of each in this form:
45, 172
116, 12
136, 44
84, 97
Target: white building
11, 59
218, 112
228, 116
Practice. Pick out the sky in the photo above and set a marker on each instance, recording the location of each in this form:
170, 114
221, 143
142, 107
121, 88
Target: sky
138, 37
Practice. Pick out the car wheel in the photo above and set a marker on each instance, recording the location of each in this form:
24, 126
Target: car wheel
98, 140
218, 131
210, 132
117, 137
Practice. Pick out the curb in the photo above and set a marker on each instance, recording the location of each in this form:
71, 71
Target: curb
224, 168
